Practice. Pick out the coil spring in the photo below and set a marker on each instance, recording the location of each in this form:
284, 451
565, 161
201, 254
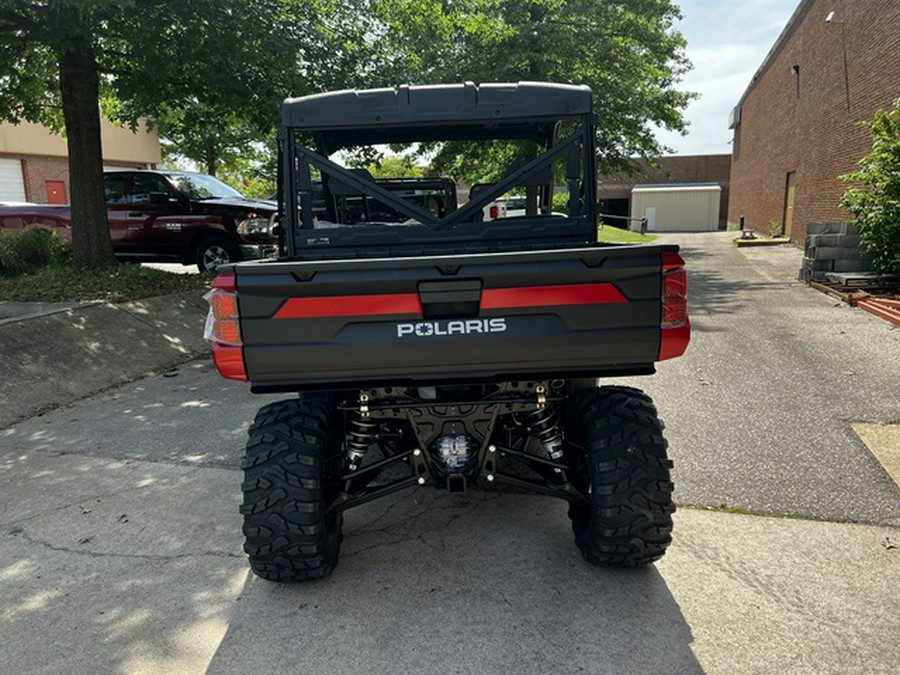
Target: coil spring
544, 427
361, 434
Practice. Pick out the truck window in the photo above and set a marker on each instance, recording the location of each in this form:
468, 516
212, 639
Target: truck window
150, 189
114, 188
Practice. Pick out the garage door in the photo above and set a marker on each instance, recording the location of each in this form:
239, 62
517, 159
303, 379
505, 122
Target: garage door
12, 186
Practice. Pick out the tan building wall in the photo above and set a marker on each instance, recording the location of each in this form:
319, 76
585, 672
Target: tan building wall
804, 120
44, 155
119, 144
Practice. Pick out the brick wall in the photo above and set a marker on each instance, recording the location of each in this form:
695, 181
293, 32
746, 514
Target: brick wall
807, 122
37, 170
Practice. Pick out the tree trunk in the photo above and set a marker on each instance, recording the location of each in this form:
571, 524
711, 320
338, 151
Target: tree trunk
79, 85
211, 156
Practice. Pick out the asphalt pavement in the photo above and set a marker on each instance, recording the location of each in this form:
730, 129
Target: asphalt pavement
120, 544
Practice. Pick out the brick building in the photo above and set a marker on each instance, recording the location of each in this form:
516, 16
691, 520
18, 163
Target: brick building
34, 161
795, 128
614, 190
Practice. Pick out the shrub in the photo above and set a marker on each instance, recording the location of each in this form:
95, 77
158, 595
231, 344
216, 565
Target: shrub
875, 197
561, 202
26, 251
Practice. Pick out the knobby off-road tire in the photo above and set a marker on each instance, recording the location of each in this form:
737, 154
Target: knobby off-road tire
288, 484
628, 520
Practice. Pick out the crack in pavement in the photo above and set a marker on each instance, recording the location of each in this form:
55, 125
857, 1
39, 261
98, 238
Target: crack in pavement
402, 528
80, 499
124, 556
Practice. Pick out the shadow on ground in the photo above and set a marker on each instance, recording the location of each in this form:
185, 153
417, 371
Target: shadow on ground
484, 582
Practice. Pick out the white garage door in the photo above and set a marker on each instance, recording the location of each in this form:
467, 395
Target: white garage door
12, 186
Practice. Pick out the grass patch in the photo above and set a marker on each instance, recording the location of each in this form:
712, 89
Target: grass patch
117, 283
614, 235
36, 266
26, 251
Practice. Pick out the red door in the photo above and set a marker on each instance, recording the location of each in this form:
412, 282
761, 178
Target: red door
56, 192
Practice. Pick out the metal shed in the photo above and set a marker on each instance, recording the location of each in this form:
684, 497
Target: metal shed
676, 208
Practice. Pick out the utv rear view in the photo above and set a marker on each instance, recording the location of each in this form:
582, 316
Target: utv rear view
439, 348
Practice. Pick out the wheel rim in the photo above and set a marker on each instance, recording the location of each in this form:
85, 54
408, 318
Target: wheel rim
214, 256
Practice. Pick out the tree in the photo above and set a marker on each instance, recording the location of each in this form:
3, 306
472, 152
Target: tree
875, 197
627, 51
395, 167
317, 45
62, 60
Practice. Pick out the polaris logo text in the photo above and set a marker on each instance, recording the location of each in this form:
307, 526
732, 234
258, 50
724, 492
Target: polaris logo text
427, 329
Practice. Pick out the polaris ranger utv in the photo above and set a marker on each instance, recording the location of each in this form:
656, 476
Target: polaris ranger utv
448, 350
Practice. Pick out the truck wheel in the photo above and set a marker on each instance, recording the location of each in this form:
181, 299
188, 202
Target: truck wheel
288, 484
627, 521
216, 250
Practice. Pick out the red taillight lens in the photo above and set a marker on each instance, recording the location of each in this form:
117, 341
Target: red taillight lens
495, 212
224, 305
223, 302
674, 298
228, 353
674, 322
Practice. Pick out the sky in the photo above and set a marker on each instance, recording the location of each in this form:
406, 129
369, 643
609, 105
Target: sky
726, 42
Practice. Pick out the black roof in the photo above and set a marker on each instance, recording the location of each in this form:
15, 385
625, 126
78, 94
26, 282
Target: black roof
466, 104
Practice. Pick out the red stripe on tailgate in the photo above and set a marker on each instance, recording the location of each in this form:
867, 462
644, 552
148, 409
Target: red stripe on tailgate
409, 303
350, 305
548, 296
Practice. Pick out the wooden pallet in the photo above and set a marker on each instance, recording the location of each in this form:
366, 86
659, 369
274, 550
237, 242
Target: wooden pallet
885, 308
873, 299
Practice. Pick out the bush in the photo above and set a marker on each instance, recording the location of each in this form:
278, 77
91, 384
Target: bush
561, 202
875, 199
27, 251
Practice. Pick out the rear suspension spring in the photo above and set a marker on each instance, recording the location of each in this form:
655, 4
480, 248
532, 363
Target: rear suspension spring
361, 433
544, 426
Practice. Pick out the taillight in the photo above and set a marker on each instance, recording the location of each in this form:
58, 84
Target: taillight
674, 323
224, 328
494, 212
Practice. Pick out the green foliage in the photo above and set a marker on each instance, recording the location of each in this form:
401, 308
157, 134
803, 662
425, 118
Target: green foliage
118, 282
561, 202
874, 197
210, 73
27, 251
394, 167
629, 53
775, 229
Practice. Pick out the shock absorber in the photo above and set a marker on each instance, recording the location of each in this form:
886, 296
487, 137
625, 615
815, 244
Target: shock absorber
361, 433
545, 427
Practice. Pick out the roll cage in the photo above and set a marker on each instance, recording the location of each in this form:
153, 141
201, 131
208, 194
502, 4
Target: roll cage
557, 118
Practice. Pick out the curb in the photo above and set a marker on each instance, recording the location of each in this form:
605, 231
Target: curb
56, 358
760, 241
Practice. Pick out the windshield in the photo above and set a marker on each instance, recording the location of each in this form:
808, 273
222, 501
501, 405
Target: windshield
201, 186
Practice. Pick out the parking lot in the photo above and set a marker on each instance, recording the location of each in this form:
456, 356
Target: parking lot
120, 547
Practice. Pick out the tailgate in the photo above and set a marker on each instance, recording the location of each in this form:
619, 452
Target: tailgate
579, 312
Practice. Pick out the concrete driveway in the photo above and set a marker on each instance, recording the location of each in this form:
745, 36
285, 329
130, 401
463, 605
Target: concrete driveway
120, 545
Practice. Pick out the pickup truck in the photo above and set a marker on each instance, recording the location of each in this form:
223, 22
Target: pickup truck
164, 216
450, 351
